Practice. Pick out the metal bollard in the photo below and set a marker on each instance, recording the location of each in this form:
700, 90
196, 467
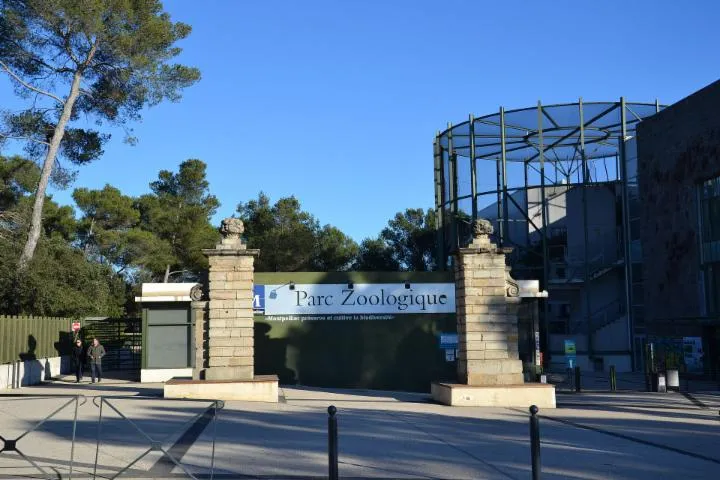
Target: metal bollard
613, 379
333, 471
577, 380
535, 442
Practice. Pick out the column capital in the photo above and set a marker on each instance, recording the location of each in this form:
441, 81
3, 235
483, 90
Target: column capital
230, 252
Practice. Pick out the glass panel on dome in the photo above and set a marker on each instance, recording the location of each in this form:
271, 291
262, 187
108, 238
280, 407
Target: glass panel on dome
484, 151
562, 153
486, 175
593, 110
563, 115
462, 151
525, 119
443, 141
461, 129
607, 119
464, 174
460, 142
486, 128
640, 110
446, 177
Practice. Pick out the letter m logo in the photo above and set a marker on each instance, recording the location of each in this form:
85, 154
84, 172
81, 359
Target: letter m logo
259, 298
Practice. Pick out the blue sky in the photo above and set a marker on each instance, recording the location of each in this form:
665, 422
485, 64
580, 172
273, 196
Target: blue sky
337, 102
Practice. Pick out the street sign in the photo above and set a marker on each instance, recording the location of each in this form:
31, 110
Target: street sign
448, 340
76, 327
570, 352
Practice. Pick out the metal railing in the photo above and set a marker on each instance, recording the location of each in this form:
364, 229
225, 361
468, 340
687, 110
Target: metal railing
567, 262
155, 444
11, 445
600, 318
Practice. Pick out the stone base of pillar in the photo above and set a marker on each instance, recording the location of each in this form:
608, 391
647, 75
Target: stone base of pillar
262, 388
241, 373
488, 380
492, 372
518, 396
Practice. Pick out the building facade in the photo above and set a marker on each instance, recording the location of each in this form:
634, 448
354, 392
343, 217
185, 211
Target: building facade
678, 172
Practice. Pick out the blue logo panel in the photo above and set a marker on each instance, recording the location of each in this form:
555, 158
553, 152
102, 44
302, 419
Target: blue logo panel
448, 340
259, 298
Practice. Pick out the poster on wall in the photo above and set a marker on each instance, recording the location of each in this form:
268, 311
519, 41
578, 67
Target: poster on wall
693, 353
449, 343
570, 353
377, 301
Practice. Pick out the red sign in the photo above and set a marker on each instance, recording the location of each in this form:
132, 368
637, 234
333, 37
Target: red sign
76, 326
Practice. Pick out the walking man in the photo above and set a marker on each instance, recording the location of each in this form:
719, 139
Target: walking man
78, 360
95, 354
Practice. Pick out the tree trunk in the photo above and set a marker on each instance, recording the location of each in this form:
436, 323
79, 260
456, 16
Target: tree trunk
48, 164
167, 274
89, 236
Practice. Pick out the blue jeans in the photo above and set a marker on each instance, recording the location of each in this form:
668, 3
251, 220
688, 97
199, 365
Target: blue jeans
96, 371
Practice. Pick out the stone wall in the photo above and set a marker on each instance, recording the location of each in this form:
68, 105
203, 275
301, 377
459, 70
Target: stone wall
678, 148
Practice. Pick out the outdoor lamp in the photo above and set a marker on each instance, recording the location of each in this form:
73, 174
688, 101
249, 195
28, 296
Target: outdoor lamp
350, 285
407, 285
292, 285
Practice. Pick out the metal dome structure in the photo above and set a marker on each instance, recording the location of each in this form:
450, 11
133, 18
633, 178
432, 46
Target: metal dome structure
503, 153
559, 184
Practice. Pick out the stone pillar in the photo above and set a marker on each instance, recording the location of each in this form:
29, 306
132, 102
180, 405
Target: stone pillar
486, 301
198, 311
230, 313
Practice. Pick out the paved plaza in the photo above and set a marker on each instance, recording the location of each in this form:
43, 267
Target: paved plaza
381, 435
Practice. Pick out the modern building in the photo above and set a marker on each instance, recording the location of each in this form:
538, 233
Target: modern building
678, 223
554, 180
614, 207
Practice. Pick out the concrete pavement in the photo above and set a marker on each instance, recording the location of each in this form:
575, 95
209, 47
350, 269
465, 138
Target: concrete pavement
382, 435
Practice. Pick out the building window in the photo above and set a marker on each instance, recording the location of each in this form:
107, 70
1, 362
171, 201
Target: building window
710, 210
709, 217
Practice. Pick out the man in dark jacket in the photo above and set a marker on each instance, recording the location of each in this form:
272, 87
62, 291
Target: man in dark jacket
78, 359
95, 354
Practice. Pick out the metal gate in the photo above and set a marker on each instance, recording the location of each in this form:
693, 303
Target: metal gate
122, 339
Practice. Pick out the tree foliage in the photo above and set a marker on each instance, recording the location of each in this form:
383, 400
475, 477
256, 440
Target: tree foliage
109, 232
60, 280
88, 264
411, 238
105, 59
178, 212
374, 255
407, 243
291, 239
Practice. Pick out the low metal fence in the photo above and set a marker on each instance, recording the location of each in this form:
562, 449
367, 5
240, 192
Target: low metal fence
11, 444
155, 444
105, 404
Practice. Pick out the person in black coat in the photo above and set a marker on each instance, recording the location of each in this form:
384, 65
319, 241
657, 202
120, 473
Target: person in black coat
78, 359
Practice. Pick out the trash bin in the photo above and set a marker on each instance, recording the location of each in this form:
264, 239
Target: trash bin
661, 384
673, 380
